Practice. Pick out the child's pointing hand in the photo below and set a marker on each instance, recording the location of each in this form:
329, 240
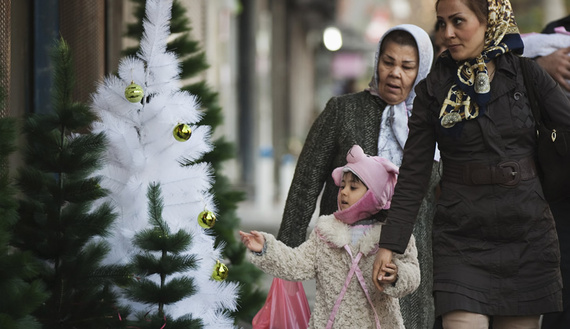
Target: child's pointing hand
253, 241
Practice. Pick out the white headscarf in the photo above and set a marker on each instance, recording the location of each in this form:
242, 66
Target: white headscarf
394, 126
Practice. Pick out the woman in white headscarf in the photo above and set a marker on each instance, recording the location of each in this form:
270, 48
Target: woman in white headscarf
376, 119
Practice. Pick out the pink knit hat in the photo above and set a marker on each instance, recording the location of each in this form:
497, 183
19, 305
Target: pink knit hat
378, 174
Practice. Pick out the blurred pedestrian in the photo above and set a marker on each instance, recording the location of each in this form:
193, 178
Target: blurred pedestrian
551, 50
437, 40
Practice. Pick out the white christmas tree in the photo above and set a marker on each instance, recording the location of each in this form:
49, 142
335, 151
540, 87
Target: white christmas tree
143, 150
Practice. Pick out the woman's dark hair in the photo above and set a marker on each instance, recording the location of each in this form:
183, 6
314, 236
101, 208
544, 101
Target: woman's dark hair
400, 37
479, 7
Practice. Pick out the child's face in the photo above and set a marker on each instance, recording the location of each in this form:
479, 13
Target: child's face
351, 190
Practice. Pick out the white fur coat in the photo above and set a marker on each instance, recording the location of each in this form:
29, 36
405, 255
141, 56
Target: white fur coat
323, 258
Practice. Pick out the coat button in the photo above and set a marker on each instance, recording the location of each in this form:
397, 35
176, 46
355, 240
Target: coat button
517, 95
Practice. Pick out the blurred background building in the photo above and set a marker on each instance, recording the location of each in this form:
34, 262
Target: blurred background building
270, 60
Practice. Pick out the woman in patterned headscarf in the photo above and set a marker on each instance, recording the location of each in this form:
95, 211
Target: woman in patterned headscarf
495, 249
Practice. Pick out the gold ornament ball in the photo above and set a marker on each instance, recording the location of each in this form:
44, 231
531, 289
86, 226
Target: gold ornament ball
220, 272
207, 219
182, 132
134, 93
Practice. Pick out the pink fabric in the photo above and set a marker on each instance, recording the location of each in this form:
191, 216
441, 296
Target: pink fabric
374, 251
327, 242
561, 30
378, 174
363, 208
353, 269
286, 307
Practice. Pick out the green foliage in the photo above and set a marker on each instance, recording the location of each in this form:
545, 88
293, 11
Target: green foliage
62, 224
161, 257
8, 204
154, 321
194, 62
21, 293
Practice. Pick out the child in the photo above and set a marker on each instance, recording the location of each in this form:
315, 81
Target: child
341, 249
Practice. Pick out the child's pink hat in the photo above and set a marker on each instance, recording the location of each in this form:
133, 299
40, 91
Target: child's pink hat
377, 173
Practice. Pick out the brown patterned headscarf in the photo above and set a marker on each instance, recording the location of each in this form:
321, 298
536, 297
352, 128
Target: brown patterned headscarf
468, 96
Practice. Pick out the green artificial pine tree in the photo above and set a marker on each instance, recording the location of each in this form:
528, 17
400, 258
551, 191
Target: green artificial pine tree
161, 259
61, 223
21, 294
193, 62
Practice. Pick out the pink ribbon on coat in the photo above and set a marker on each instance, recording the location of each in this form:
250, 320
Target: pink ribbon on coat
353, 269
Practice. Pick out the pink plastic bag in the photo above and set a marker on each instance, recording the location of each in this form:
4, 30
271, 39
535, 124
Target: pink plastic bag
286, 307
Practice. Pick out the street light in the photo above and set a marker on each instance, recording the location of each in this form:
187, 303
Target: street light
332, 38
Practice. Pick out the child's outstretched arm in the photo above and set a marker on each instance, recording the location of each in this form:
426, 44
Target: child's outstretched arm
275, 258
254, 241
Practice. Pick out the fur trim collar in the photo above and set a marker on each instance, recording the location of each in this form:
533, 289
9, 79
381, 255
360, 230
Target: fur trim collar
337, 234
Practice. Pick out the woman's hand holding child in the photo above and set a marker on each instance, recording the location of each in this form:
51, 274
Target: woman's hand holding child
391, 275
